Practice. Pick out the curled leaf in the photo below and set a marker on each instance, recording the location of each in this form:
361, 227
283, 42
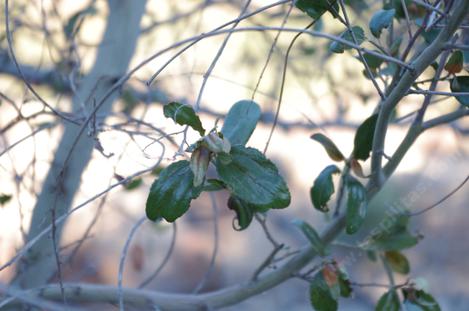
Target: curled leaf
217, 144
331, 149
244, 212
200, 159
323, 188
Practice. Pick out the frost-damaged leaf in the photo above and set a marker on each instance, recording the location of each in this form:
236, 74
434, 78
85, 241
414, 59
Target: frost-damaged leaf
240, 122
380, 20
418, 300
217, 144
323, 188
337, 47
253, 178
455, 62
244, 211
183, 115
397, 261
171, 194
363, 141
389, 302
322, 298
357, 168
4, 198
316, 8
200, 159
357, 205
461, 84
331, 149
313, 237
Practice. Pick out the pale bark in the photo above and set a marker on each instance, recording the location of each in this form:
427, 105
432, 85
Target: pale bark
113, 56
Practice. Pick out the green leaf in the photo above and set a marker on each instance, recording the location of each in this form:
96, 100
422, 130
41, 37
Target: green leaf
323, 188
389, 302
380, 20
313, 237
373, 61
331, 149
455, 62
5, 198
337, 47
183, 115
316, 8
171, 194
461, 84
395, 241
213, 185
393, 235
321, 296
253, 178
357, 205
241, 121
244, 212
216, 143
397, 261
345, 285
364, 138
419, 300
133, 184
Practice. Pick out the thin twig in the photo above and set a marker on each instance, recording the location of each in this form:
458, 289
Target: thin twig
441, 200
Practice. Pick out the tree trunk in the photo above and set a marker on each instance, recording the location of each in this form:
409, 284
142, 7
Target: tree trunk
112, 60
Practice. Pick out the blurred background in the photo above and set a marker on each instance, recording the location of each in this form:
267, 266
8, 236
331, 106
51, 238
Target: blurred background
56, 43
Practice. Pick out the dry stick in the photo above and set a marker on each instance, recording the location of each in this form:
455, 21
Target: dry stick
28, 85
62, 218
165, 259
271, 52
407, 19
216, 242
360, 54
30, 300
282, 85
419, 65
440, 201
217, 56
120, 275
153, 77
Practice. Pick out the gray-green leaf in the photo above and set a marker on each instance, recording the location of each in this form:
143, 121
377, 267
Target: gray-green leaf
323, 188
337, 47
253, 178
317, 8
241, 121
418, 300
388, 302
363, 141
461, 84
171, 194
357, 205
380, 20
183, 115
313, 237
